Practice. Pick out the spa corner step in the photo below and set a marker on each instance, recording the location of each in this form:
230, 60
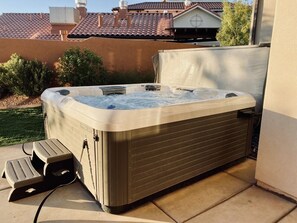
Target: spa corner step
22, 177
51, 151
54, 155
51, 164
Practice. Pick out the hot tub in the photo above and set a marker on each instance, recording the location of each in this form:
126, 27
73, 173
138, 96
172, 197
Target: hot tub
135, 151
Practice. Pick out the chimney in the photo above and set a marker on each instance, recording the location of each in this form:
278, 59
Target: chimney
81, 6
188, 4
63, 35
123, 12
100, 21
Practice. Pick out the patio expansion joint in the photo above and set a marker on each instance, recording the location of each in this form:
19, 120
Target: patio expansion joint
220, 202
282, 196
154, 203
287, 213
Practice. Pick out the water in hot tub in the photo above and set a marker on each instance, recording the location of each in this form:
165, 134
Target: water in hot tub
151, 99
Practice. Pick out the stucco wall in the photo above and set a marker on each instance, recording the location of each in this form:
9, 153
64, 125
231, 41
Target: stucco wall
188, 20
277, 159
117, 54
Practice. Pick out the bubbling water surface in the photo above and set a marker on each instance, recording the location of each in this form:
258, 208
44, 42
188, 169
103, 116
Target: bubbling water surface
152, 99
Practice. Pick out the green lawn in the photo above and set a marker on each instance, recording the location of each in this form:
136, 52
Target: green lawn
21, 125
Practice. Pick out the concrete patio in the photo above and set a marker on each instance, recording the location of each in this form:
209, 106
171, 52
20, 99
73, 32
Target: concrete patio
227, 196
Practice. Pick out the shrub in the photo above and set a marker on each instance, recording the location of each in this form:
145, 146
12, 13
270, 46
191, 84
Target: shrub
3, 87
81, 67
26, 77
235, 28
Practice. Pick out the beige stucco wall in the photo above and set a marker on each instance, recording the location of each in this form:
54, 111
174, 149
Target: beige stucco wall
277, 160
207, 20
265, 20
117, 54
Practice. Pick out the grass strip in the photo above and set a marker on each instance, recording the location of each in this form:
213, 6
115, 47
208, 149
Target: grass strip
21, 125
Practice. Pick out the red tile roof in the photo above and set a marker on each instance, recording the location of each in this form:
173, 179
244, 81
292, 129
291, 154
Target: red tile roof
143, 26
212, 6
26, 26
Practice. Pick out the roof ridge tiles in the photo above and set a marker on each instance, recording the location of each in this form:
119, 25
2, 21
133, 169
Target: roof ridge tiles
161, 5
24, 13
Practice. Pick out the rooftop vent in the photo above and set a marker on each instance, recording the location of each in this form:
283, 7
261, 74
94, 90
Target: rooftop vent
81, 3
123, 4
187, 3
81, 6
123, 12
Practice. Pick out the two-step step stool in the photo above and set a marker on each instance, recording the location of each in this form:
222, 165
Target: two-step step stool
50, 165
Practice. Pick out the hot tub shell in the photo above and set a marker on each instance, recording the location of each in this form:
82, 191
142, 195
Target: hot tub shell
137, 153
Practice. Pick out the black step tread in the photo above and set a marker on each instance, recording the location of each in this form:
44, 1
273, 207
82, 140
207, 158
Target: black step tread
20, 173
51, 150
